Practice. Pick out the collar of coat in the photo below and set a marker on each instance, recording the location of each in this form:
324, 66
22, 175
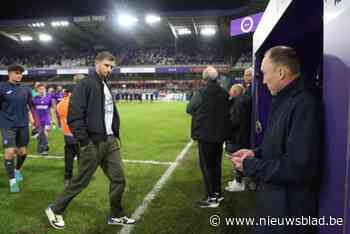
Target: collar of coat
291, 89
287, 92
98, 78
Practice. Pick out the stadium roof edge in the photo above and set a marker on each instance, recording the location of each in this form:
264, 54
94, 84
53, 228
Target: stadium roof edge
196, 13
29, 21
204, 13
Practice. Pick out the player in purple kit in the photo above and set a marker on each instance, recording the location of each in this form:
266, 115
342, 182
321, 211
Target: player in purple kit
43, 102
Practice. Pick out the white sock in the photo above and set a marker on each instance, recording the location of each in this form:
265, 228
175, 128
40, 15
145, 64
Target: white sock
12, 181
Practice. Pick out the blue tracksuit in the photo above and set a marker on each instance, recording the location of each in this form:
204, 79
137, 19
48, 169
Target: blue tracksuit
14, 101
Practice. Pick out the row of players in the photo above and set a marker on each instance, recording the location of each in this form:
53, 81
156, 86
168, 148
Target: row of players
137, 96
46, 100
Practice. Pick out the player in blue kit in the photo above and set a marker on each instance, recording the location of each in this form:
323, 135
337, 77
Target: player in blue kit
14, 102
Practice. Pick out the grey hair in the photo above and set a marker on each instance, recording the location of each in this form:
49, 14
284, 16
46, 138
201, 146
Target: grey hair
210, 73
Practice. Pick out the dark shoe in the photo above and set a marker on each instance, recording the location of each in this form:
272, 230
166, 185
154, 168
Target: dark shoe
219, 197
210, 202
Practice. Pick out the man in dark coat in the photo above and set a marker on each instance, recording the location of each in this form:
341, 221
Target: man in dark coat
286, 165
240, 120
209, 107
94, 121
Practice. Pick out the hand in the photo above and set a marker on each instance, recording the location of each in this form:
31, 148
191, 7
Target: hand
238, 163
239, 156
243, 153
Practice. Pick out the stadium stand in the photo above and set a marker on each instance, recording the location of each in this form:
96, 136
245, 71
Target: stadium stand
160, 56
244, 61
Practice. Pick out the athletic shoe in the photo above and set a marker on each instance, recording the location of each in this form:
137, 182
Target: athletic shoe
121, 221
44, 153
219, 197
234, 186
19, 176
55, 220
14, 188
35, 133
210, 202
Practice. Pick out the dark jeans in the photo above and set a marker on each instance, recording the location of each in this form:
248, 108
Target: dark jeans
210, 157
107, 155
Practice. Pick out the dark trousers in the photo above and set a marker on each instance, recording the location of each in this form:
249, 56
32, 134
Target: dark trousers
107, 155
70, 152
210, 157
43, 144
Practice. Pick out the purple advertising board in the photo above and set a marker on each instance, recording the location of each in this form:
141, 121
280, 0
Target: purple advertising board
244, 25
42, 72
173, 69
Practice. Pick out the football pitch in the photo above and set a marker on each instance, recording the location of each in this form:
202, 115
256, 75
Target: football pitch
163, 182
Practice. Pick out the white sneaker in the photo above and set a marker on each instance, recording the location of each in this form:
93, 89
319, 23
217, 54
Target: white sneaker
234, 186
55, 220
121, 221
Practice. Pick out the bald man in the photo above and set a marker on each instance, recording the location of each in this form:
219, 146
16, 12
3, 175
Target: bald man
248, 78
209, 108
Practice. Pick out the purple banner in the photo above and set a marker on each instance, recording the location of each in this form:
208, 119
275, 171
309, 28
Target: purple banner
118, 70
244, 25
173, 69
42, 72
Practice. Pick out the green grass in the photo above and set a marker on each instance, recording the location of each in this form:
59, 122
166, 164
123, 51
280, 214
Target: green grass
157, 131
148, 131
174, 210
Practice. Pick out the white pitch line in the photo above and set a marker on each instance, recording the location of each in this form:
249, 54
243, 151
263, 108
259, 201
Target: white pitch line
124, 160
147, 162
157, 187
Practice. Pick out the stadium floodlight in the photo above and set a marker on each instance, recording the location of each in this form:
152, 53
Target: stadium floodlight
184, 31
25, 38
59, 23
126, 20
152, 19
208, 31
45, 37
38, 25
64, 23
